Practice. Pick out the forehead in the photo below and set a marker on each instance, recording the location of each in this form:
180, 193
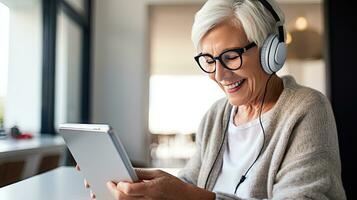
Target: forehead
223, 36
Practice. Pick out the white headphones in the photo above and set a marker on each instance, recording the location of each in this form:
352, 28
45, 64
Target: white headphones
273, 51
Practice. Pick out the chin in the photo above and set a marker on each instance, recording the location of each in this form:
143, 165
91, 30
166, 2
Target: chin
234, 101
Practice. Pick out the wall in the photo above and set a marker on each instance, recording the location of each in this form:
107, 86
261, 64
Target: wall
171, 47
121, 73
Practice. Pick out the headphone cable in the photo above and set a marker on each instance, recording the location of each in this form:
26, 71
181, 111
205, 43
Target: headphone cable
242, 179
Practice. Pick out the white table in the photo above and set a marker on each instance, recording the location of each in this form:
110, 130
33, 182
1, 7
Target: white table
59, 184
63, 183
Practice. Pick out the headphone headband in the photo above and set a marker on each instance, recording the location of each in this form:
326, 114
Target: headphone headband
268, 6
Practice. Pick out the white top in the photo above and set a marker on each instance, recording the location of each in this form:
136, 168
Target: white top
243, 146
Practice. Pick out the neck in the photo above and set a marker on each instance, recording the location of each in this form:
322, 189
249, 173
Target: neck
251, 111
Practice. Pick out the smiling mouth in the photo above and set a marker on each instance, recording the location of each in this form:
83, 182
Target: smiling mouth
234, 87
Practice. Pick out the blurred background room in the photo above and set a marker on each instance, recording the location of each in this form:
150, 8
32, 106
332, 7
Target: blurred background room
130, 64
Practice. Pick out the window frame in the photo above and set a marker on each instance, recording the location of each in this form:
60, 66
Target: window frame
50, 10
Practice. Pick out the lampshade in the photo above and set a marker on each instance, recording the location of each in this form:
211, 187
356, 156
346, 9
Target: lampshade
305, 44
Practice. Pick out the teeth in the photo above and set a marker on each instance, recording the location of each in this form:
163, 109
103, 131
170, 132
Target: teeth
236, 84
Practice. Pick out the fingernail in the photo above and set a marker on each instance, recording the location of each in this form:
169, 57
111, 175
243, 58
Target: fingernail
86, 184
92, 195
110, 184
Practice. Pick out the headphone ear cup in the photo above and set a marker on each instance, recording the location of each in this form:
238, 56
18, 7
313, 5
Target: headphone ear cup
280, 56
272, 54
264, 54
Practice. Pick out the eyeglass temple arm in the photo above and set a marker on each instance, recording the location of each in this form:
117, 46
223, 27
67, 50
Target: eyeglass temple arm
249, 46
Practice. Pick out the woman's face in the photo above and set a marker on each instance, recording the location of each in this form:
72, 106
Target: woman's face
250, 75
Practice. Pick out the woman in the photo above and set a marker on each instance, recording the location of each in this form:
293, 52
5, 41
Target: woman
270, 138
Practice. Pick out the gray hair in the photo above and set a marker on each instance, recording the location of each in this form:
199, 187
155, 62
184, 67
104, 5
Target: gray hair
257, 22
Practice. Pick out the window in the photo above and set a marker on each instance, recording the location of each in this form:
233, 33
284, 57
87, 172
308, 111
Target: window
22, 81
178, 102
66, 64
29, 85
4, 48
78, 5
28, 81
68, 70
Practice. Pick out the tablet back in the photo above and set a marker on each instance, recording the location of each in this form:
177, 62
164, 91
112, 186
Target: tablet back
100, 155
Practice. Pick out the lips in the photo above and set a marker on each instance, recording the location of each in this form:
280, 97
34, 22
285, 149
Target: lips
233, 87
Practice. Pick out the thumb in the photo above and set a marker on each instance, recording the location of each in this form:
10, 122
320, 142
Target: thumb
144, 174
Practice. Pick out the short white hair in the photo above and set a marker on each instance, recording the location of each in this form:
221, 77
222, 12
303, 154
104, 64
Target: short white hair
257, 21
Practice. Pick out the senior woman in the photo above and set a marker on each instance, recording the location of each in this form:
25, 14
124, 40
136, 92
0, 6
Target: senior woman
270, 138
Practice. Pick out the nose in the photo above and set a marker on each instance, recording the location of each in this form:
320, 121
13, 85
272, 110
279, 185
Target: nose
221, 72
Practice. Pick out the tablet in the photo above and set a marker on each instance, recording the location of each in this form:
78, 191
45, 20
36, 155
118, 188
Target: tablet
100, 155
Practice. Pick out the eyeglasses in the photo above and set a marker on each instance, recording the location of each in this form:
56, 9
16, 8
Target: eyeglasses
230, 59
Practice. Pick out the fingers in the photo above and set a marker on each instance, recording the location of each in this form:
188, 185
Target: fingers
144, 174
86, 184
113, 189
117, 194
133, 189
92, 195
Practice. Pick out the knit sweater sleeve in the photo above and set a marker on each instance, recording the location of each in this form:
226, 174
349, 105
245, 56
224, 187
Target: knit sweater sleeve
311, 167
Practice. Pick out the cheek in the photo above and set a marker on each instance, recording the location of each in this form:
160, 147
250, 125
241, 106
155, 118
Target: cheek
254, 88
251, 86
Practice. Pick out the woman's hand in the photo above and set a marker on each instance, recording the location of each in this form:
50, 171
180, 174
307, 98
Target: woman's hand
86, 184
156, 184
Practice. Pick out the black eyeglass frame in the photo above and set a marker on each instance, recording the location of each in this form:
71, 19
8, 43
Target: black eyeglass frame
240, 52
